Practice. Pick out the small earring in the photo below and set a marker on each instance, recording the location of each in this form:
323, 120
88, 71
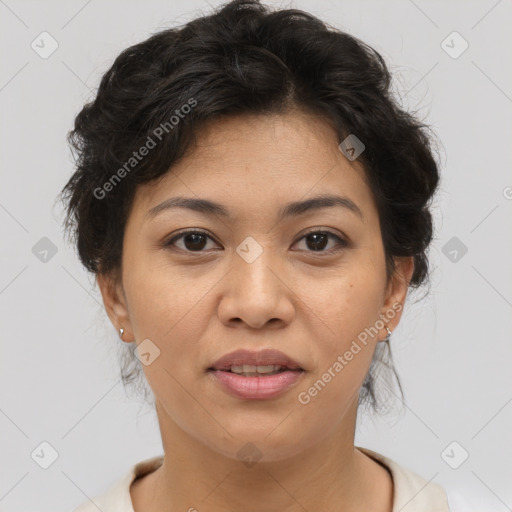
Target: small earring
389, 334
121, 332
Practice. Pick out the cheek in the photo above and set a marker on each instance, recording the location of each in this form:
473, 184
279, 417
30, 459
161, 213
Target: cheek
346, 306
174, 311
169, 309
344, 341
166, 304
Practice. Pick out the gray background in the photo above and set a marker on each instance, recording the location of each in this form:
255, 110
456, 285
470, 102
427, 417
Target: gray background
453, 350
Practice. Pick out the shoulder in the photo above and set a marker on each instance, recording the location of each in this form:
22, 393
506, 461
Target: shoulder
412, 493
117, 498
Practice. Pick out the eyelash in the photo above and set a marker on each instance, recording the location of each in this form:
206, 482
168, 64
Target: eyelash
343, 243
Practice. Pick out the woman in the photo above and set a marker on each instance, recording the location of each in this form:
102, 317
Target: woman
255, 206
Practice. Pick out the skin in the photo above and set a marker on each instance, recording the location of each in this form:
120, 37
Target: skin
309, 304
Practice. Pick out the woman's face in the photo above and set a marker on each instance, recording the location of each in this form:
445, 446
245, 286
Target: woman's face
256, 280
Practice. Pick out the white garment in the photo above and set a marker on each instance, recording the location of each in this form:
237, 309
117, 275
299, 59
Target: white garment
412, 493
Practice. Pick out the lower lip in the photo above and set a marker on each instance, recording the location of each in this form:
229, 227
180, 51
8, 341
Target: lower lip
257, 388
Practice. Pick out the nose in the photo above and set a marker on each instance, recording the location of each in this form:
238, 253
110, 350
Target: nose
257, 292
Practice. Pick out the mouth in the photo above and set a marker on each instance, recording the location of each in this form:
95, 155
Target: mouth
256, 375
248, 384
254, 364
248, 370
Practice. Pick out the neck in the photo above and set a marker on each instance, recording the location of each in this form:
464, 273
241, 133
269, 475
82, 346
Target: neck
331, 476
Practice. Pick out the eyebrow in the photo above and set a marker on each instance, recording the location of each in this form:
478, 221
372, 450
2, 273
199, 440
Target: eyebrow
293, 209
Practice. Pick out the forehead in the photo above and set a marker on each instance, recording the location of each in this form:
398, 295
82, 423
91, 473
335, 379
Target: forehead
251, 161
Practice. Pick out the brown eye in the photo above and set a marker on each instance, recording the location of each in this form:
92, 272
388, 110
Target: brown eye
316, 241
193, 241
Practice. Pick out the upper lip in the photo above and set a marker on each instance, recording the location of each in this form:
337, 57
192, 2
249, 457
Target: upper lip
259, 358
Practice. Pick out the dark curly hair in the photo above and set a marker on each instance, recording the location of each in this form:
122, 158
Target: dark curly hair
245, 58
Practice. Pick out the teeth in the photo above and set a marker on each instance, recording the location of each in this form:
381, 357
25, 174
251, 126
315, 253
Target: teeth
252, 371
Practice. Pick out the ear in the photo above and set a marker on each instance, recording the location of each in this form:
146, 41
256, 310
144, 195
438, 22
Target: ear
396, 292
115, 304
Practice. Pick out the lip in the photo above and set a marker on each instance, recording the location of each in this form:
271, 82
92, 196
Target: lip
255, 358
256, 388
